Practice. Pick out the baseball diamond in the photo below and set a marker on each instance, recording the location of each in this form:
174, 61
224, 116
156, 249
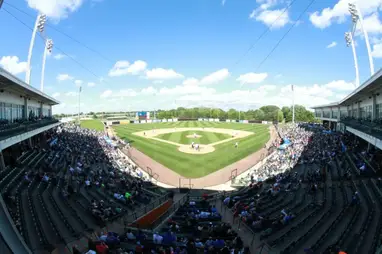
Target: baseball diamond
195, 149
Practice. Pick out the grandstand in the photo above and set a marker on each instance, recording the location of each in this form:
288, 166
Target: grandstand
66, 189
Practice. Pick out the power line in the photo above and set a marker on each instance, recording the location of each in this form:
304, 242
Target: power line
44, 39
265, 31
285, 35
63, 33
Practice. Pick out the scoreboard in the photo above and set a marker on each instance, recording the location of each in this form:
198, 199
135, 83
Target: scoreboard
143, 115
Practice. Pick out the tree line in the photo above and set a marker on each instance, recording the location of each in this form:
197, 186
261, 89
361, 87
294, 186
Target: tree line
265, 113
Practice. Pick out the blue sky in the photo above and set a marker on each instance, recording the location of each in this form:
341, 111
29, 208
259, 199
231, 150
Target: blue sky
167, 53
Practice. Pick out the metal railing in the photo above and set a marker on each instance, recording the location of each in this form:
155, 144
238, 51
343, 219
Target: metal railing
25, 127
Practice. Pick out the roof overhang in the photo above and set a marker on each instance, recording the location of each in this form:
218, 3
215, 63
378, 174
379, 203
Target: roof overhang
9, 82
367, 89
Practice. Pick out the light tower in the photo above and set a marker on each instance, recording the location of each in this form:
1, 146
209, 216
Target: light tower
357, 17
350, 42
39, 25
48, 48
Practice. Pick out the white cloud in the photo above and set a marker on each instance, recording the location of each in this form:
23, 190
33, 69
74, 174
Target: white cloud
149, 91
339, 12
13, 64
184, 90
252, 78
120, 93
106, 94
377, 50
56, 9
55, 95
123, 67
215, 77
272, 18
91, 84
63, 77
340, 85
59, 56
137, 67
163, 74
372, 24
191, 82
71, 94
331, 45
78, 82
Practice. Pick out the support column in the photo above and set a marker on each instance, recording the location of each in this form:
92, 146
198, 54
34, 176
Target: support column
339, 114
41, 115
352, 110
30, 144
25, 116
2, 164
374, 108
359, 109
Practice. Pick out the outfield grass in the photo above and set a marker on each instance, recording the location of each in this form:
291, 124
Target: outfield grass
195, 165
92, 124
204, 139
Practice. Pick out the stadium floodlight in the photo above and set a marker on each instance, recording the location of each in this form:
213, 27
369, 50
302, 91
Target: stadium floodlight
356, 16
350, 42
39, 25
48, 49
1, 3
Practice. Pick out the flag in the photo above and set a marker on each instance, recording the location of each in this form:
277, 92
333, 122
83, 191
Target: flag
80, 89
292, 88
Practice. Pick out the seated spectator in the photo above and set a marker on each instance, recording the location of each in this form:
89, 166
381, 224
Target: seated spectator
130, 235
157, 238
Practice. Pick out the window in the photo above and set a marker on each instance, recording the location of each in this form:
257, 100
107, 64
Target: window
378, 111
335, 114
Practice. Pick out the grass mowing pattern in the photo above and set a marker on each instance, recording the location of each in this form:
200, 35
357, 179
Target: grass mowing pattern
194, 165
205, 139
92, 124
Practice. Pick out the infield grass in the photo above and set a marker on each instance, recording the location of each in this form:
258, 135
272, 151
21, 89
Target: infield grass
92, 124
195, 165
183, 137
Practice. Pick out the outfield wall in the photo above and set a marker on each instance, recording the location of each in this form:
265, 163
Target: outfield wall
186, 119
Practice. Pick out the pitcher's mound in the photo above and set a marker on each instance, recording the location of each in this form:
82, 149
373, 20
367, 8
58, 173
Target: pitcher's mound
203, 149
192, 136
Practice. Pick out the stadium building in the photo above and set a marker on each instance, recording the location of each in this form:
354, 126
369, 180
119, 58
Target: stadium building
359, 113
25, 117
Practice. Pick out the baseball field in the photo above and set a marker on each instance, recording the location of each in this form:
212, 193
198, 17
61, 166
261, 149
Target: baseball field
195, 149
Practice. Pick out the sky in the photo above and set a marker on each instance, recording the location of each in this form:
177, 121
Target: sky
161, 54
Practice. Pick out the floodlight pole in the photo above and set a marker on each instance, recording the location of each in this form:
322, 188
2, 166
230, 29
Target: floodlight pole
1, 3
357, 16
39, 25
350, 42
48, 48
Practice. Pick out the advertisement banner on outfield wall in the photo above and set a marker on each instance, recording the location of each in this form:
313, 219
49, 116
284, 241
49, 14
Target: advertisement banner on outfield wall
211, 120
143, 121
175, 119
227, 121
216, 120
164, 120
264, 122
149, 121
136, 121
245, 121
200, 119
169, 120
